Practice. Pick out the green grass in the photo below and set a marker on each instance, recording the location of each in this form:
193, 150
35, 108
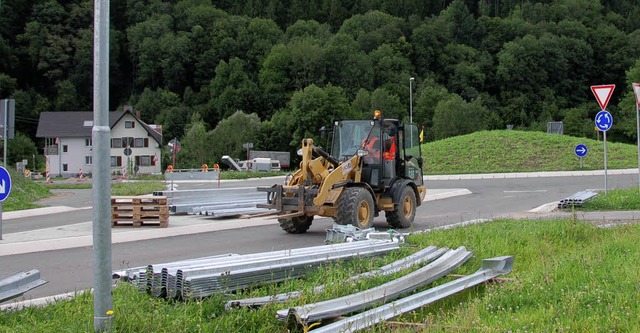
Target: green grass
615, 199
23, 193
568, 277
520, 151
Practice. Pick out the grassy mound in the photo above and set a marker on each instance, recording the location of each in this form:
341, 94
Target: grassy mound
520, 151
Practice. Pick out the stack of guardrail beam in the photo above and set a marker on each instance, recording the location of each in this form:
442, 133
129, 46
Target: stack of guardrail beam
215, 202
577, 199
491, 268
427, 254
206, 276
332, 308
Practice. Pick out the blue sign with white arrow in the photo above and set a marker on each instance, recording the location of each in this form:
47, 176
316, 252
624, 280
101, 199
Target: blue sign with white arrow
604, 120
581, 150
5, 183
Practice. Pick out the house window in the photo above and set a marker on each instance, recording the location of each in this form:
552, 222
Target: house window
116, 161
65, 167
88, 160
145, 160
116, 143
65, 148
129, 124
141, 142
88, 142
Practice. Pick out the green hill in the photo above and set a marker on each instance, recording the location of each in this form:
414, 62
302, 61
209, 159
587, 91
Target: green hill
521, 151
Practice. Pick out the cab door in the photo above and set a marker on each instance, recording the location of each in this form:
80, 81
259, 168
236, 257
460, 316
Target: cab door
411, 154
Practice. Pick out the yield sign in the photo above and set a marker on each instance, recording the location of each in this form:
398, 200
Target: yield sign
636, 91
603, 94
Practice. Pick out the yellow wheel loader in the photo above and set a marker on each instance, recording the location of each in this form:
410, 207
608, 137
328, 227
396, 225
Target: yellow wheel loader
373, 166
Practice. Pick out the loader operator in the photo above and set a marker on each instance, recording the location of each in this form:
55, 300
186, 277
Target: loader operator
372, 144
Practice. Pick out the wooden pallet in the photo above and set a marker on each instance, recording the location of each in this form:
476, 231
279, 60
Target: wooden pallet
139, 210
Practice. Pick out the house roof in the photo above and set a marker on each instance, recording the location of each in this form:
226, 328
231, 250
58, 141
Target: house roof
80, 124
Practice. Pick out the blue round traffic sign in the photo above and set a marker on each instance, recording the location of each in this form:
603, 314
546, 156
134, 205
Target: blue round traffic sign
581, 150
5, 183
604, 120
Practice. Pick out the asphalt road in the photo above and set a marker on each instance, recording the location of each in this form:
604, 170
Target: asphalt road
71, 269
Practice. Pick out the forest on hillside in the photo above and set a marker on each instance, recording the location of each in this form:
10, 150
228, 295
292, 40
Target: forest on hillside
219, 73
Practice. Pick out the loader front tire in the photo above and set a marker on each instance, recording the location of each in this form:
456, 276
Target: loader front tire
405, 210
355, 207
296, 225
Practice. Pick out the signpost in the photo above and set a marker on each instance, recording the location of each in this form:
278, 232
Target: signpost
5, 189
248, 147
636, 91
174, 147
581, 151
603, 119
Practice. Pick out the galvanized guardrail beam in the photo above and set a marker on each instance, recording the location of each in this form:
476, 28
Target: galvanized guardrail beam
355, 302
16, 284
425, 255
491, 268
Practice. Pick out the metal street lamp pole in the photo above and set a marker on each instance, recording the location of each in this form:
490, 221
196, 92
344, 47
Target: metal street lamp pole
411, 99
411, 106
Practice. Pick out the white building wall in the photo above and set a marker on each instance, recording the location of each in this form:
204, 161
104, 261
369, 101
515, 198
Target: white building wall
120, 131
71, 162
77, 151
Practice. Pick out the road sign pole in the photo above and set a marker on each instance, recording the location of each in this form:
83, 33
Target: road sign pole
4, 131
580, 163
606, 188
638, 135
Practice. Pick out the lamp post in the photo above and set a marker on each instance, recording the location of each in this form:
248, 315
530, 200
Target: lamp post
411, 99
411, 106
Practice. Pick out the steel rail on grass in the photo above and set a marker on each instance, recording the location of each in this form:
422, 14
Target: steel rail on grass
205, 276
14, 285
425, 255
577, 199
202, 282
491, 268
332, 308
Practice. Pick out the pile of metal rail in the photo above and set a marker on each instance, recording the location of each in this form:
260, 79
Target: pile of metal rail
14, 285
577, 199
491, 268
215, 202
204, 277
423, 256
349, 233
337, 307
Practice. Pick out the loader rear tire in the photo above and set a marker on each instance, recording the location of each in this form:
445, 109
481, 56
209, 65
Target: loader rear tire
355, 207
405, 210
296, 225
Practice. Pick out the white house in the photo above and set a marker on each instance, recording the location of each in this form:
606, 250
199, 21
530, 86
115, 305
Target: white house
68, 145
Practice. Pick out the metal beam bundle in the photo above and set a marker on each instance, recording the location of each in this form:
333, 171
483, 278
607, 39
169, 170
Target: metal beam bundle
577, 199
425, 255
491, 268
313, 312
214, 202
14, 285
206, 276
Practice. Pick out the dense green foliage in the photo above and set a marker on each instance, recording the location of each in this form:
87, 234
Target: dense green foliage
522, 151
291, 66
567, 277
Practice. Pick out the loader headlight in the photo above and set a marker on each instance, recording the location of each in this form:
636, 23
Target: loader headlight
287, 179
300, 152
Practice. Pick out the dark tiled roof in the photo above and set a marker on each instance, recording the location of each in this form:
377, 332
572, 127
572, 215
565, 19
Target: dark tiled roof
79, 124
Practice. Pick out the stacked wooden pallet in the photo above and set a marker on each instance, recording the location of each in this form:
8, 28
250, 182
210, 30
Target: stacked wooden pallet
139, 210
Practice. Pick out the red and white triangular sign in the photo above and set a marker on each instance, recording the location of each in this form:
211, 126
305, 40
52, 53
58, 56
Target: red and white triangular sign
636, 91
603, 94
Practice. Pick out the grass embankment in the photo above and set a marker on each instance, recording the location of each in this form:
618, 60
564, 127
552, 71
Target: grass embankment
520, 151
616, 199
568, 276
